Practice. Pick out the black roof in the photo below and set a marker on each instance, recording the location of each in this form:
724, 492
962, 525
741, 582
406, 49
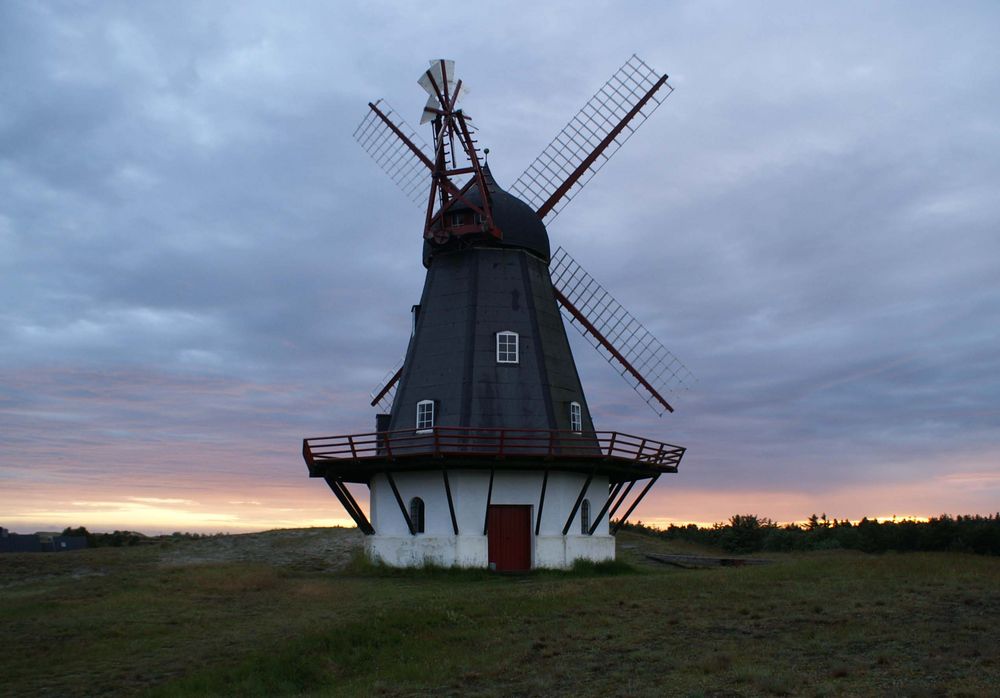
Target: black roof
520, 226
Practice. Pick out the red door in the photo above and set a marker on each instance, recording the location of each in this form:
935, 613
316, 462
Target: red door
509, 537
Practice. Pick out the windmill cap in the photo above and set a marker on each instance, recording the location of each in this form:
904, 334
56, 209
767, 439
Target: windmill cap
521, 227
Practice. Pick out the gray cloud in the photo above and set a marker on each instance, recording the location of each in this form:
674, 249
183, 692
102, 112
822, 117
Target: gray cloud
193, 251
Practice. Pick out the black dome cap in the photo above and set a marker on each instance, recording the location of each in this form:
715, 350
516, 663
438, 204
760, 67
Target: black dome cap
521, 227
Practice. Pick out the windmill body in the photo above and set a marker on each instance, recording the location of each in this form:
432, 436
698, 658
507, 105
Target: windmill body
489, 351
488, 343
488, 455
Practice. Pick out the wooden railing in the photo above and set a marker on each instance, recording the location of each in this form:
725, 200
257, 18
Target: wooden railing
496, 443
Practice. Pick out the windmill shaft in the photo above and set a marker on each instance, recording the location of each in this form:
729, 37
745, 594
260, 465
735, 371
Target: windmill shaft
582, 319
596, 153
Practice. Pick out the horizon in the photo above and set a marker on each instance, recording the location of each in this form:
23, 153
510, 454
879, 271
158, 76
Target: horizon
660, 524
200, 267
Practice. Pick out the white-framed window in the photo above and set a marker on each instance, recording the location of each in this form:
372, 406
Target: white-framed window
417, 514
425, 415
507, 347
414, 316
585, 517
457, 218
575, 417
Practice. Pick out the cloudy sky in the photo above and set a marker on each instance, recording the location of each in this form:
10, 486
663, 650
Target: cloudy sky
199, 266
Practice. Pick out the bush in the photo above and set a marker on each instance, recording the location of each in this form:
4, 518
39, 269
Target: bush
748, 533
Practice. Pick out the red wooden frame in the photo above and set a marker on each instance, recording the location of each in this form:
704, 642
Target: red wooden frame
476, 442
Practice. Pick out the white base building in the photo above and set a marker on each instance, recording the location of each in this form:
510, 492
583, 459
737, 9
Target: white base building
525, 526
458, 498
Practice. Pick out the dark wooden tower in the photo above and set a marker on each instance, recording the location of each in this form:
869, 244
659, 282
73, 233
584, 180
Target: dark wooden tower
478, 294
488, 453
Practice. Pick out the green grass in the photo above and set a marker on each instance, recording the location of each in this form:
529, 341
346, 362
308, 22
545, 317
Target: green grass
824, 624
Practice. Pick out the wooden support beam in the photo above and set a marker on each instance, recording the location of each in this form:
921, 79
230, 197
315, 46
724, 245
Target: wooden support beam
451, 504
399, 501
579, 500
541, 502
357, 508
489, 498
638, 499
621, 499
350, 505
607, 503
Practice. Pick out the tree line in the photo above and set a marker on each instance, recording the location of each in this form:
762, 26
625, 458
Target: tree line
118, 539
749, 533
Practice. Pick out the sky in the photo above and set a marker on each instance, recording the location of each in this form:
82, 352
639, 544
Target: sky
199, 266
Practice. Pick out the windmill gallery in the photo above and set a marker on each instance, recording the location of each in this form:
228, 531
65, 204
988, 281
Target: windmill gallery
487, 455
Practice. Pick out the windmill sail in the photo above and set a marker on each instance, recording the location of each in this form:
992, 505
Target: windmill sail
591, 137
439, 82
384, 393
393, 144
648, 366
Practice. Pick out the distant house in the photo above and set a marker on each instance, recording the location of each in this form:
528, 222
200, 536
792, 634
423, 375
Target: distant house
39, 542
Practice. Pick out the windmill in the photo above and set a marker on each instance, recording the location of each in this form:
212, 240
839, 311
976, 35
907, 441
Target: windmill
486, 454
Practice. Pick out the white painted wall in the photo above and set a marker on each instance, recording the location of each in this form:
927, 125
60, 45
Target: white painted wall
393, 544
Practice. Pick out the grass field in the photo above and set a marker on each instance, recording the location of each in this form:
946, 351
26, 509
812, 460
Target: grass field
295, 612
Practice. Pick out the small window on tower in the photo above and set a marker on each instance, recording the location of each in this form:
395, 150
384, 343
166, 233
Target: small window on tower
425, 416
575, 417
507, 347
585, 517
457, 218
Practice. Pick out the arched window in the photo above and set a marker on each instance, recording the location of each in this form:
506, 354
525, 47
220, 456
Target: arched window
575, 417
425, 415
507, 347
585, 517
417, 514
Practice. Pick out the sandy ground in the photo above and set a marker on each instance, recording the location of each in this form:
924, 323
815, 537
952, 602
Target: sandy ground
314, 549
308, 550
303, 549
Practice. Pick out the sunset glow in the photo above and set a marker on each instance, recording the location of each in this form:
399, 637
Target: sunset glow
199, 267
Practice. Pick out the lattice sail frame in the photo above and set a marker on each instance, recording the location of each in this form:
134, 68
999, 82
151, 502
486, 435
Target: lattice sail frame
583, 135
384, 393
392, 154
571, 160
662, 371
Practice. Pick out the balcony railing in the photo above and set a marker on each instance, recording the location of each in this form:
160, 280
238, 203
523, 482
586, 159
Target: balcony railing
475, 442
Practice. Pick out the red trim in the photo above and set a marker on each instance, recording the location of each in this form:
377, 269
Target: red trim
493, 443
406, 141
589, 160
564, 301
388, 386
